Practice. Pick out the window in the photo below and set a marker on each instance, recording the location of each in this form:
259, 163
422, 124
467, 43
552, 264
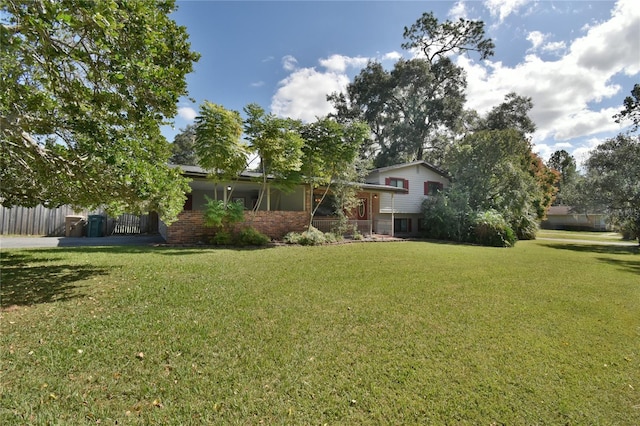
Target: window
401, 225
432, 188
397, 182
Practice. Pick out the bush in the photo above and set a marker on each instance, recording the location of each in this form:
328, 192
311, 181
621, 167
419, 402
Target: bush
251, 237
447, 216
311, 237
527, 228
222, 238
491, 229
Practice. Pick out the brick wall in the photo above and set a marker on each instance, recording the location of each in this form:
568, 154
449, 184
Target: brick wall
189, 228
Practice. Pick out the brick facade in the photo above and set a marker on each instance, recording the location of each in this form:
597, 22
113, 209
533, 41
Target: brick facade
189, 228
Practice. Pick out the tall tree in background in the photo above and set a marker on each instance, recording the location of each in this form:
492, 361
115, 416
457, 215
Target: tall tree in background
513, 113
183, 150
564, 163
407, 107
631, 109
85, 88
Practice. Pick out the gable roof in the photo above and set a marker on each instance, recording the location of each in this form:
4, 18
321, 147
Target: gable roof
414, 163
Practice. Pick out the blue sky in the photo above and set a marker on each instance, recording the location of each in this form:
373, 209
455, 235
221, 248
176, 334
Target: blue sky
577, 60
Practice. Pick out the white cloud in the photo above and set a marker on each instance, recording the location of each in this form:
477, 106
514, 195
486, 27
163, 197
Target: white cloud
503, 8
187, 113
566, 91
257, 84
340, 63
536, 38
289, 63
555, 47
391, 56
459, 10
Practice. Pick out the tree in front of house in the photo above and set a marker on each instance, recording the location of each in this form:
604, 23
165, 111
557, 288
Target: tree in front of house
330, 151
278, 144
86, 86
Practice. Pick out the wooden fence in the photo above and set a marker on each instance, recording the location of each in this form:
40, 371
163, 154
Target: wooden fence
40, 220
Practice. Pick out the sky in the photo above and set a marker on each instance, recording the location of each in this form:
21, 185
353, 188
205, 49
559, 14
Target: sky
577, 60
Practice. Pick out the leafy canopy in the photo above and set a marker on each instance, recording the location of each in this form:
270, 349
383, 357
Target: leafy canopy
85, 88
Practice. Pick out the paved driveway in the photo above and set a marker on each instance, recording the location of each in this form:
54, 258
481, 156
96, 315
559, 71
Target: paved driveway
117, 240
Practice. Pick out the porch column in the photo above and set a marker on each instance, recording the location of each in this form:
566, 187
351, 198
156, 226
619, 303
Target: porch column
370, 214
269, 197
393, 211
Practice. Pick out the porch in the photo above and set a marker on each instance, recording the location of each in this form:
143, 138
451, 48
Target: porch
364, 227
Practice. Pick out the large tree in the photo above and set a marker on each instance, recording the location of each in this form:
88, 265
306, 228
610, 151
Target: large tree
612, 180
497, 170
631, 111
409, 106
565, 165
85, 88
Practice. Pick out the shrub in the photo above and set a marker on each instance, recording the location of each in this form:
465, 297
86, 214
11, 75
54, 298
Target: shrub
491, 229
251, 237
447, 216
311, 237
222, 238
527, 228
219, 215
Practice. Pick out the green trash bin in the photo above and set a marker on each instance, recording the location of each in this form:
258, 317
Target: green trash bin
94, 227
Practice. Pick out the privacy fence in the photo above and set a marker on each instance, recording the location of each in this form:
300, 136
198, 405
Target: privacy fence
51, 222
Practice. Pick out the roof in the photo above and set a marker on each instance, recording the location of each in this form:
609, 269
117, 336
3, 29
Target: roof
199, 172
414, 163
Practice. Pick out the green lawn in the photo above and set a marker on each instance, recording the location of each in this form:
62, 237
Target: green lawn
547, 332
585, 236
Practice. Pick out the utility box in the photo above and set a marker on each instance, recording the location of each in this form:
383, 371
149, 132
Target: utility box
95, 226
73, 226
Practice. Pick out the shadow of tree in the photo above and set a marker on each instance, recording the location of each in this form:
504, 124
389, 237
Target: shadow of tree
628, 264
27, 280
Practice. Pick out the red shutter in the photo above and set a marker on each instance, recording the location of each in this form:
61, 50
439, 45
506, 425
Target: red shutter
440, 186
426, 188
405, 184
387, 181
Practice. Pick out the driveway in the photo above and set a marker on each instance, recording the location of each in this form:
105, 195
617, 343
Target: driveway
116, 240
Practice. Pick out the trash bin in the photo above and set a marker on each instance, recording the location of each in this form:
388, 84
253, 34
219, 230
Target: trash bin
94, 228
73, 226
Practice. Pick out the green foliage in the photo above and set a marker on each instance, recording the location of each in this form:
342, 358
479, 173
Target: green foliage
447, 216
310, 237
278, 144
221, 215
86, 86
631, 109
513, 113
612, 180
182, 149
223, 238
217, 141
249, 236
491, 229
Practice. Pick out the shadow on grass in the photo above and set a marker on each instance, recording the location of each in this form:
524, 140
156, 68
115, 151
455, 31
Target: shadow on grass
28, 280
630, 265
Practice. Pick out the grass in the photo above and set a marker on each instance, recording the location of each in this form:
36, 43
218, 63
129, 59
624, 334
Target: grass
547, 332
581, 235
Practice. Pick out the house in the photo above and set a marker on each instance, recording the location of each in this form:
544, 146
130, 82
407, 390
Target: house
389, 203
399, 214
562, 217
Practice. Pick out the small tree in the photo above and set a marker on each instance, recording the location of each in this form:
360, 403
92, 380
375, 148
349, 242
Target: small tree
278, 144
330, 149
183, 150
217, 142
